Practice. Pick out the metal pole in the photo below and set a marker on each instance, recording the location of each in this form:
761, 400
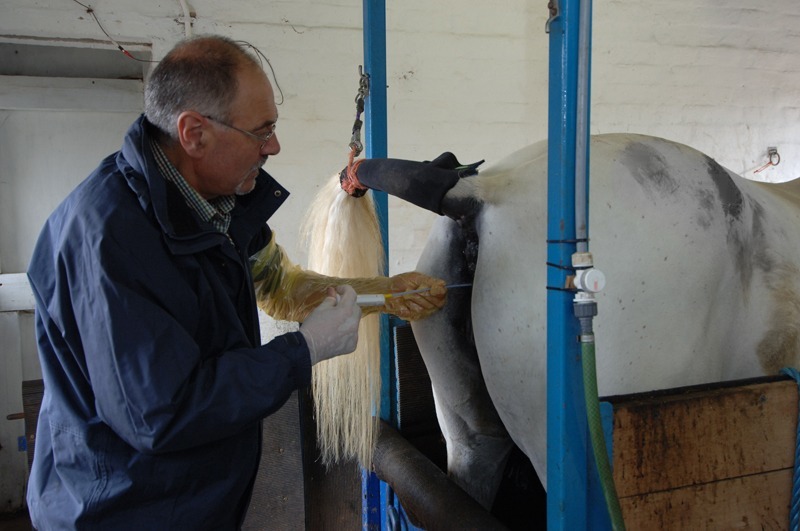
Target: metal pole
567, 433
376, 495
375, 127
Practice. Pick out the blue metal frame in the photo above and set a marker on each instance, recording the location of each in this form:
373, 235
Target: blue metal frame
574, 497
566, 438
375, 128
376, 494
393, 515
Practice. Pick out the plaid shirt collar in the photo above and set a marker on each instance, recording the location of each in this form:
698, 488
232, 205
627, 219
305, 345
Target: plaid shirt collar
216, 211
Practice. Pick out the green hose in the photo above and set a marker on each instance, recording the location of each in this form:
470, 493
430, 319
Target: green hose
596, 433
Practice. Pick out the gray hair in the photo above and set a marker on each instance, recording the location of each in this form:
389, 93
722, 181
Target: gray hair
198, 74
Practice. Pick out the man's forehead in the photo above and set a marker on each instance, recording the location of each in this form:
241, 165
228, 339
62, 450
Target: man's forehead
255, 95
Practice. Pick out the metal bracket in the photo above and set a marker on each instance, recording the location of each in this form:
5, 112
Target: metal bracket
552, 6
774, 156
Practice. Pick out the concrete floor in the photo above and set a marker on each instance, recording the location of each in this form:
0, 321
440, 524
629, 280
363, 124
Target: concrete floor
15, 522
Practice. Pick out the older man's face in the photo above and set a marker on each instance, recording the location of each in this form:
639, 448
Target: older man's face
238, 151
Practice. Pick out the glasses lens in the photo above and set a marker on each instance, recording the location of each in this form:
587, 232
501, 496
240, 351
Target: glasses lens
270, 132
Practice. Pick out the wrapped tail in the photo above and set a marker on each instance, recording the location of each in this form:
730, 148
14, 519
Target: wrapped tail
424, 184
343, 239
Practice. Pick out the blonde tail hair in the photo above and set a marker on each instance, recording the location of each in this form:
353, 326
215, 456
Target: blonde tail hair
344, 240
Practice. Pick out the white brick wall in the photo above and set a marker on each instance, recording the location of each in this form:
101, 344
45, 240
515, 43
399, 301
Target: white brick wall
724, 79
471, 77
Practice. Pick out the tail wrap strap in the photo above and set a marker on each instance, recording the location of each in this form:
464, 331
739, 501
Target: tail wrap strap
421, 183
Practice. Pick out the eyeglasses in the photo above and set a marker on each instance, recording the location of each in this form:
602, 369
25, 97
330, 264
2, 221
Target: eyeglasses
263, 139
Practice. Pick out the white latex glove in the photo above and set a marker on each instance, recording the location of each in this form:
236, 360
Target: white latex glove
331, 329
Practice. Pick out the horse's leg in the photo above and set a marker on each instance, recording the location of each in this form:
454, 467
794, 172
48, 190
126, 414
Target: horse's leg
477, 442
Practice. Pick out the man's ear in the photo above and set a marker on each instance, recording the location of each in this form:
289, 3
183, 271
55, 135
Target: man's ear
193, 133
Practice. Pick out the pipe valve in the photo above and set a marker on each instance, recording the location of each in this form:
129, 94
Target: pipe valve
591, 280
587, 278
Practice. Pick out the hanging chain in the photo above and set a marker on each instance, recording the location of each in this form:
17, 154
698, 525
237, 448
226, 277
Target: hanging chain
363, 91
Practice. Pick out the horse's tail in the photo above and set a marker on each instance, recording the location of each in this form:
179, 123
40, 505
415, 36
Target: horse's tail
343, 239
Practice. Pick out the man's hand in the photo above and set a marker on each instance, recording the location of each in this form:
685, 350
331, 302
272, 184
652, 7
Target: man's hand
331, 329
416, 306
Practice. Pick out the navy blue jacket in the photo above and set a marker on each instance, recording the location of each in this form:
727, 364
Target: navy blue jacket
155, 376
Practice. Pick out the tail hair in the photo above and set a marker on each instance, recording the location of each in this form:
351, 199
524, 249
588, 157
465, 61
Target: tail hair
343, 239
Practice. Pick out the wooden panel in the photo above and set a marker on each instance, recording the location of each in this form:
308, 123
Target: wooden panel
703, 436
751, 502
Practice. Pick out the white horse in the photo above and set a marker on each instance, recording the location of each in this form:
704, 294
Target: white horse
702, 286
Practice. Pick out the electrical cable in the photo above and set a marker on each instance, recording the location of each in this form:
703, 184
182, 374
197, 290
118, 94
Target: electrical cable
260, 56
187, 24
127, 54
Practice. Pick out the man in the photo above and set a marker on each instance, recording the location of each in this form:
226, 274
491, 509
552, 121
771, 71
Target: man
146, 319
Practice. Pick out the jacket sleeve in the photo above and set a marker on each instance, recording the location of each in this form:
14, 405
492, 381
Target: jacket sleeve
136, 324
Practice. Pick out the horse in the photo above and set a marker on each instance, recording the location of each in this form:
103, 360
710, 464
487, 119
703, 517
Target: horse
702, 286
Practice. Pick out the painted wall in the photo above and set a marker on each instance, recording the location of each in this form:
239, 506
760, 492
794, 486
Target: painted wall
471, 77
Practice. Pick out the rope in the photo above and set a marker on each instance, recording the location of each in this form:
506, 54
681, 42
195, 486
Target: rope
350, 182
578, 240
559, 266
794, 513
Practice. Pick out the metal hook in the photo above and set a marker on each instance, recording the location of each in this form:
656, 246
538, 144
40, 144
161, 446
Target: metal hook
363, 92
774, 156
774, 159
552, 6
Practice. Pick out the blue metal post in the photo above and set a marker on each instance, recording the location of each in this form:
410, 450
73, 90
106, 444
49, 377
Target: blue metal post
376, 494
568, 450
375, 127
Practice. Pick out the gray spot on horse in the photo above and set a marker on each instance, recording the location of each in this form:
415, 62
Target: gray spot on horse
748, 239
706, 204
761, 256
745, 220
650, 169
729, 193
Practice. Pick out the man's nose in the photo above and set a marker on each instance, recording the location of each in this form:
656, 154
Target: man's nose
271, 146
